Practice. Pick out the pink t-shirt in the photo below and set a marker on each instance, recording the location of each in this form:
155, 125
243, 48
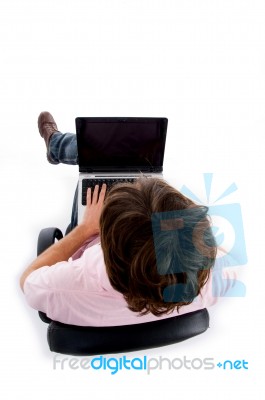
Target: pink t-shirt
78, 292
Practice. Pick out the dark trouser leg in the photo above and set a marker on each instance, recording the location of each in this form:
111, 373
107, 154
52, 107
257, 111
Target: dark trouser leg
74, 215
63, 148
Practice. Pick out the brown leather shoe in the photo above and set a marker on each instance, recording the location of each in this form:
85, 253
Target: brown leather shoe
47, 126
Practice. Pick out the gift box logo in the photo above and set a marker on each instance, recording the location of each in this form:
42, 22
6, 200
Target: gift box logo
227, 228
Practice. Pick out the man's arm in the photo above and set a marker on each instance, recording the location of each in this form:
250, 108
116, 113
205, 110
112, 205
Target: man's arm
66, 247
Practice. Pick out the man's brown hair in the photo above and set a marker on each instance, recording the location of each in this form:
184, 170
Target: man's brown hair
156, 269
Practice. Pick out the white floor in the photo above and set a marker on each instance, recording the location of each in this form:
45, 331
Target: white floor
199, 63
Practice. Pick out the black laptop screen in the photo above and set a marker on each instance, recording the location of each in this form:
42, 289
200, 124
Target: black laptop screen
121, 144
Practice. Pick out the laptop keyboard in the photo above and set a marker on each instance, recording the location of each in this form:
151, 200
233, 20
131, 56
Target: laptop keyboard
91, 183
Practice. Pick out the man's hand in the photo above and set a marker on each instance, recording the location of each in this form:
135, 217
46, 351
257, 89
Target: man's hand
66, 247
93, 209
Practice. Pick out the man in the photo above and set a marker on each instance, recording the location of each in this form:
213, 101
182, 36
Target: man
123, 264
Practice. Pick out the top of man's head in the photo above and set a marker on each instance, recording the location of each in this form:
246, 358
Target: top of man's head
157, 244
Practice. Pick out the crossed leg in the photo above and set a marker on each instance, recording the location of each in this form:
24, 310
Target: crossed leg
61, 148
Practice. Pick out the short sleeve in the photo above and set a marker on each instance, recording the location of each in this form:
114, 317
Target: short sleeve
48, 288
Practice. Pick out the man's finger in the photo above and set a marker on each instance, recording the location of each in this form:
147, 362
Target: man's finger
95, 195
103, 192
88, 197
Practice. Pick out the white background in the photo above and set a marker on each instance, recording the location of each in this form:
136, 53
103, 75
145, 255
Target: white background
201, 64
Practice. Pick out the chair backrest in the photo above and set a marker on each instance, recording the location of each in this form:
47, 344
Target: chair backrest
75, 340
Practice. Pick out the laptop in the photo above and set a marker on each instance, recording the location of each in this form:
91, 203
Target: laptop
117, 149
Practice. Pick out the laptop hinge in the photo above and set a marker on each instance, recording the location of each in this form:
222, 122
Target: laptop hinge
122, 171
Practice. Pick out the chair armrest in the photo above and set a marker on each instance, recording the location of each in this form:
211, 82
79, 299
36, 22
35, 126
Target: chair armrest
47, 237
